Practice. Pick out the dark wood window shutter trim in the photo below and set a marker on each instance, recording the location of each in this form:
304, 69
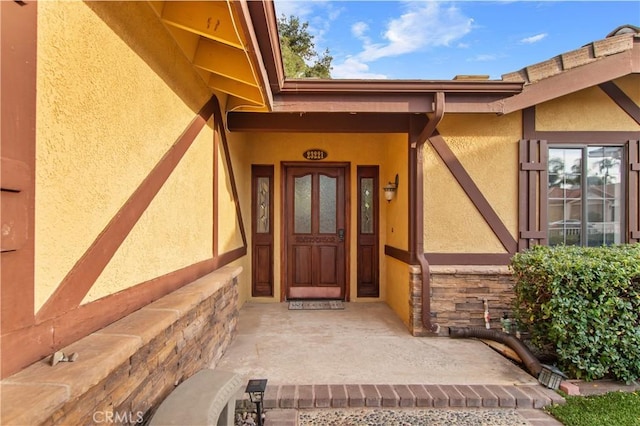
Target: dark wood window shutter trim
633, 193
532, 200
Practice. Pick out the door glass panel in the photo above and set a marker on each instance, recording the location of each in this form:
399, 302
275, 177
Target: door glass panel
328, 193
302, 205
366, 207
262, 227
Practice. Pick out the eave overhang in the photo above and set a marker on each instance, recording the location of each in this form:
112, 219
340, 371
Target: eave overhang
594, 64
218, 39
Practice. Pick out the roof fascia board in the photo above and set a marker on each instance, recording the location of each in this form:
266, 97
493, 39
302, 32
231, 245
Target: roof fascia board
419, 102
264, 19
406, 96
321, 102
383, 122
246, 23
312, 86
574, 80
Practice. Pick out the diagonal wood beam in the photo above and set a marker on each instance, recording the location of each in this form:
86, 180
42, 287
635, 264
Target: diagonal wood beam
622, 100
77, 283
471, 189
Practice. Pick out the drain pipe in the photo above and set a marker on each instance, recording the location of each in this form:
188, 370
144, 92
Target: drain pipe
530, 361
417, 249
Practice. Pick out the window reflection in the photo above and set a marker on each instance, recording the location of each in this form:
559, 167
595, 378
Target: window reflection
591, 217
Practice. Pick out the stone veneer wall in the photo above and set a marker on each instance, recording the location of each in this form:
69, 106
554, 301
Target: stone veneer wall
457, 296
126, 369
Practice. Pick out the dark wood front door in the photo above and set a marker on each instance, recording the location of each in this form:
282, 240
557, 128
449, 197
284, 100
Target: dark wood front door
315, 231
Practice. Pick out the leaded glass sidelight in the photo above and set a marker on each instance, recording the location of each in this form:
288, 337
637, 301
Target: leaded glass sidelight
366, 206
328, 191
302, 205
262, 197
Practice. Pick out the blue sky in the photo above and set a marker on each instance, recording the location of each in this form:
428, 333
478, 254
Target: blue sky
437, 40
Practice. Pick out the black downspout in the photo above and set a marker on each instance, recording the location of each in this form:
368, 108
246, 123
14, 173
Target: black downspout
529, 360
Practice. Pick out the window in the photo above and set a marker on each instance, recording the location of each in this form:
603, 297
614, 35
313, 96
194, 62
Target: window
585, 196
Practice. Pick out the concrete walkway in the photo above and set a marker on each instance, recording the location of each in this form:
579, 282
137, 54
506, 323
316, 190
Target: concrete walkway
363, 356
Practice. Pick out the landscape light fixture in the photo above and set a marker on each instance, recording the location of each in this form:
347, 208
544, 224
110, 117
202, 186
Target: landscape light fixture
255, 389
550, 376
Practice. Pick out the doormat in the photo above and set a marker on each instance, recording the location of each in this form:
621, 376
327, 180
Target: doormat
309, 305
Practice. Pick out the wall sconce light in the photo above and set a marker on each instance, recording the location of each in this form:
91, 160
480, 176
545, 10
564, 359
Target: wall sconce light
255, 389
390, 189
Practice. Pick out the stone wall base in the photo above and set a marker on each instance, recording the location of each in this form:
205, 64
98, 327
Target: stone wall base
126, 369
457, 296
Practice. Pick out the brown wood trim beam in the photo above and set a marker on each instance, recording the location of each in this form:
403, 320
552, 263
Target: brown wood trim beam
570, 81
398, 254
473, 192
18, 82
633, 191
77, 283
318, 122
345, 86
264, 20
468, 258
227, 156
622, 100
352, 103
599, 137
529, 123
216, 181
28, 345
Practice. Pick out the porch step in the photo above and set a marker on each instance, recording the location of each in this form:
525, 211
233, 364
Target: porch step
422, 396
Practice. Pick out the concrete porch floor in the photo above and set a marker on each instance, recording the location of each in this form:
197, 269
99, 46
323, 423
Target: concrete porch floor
366, 343
363, 358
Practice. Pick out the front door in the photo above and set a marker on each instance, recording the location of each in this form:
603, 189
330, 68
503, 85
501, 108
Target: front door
315, 231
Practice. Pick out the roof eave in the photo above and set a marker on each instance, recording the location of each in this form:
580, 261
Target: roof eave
606, 69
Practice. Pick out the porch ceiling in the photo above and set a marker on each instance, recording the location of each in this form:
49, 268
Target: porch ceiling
217, 38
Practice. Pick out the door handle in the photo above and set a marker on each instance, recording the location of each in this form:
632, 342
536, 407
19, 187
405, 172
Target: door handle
341, 234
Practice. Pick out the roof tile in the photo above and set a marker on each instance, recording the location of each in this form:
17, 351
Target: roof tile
577, 57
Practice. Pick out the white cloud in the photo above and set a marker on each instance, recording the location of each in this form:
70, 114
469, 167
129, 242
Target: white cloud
359, 29
533, 39
483, 58
423, 25
300, 9
355, 69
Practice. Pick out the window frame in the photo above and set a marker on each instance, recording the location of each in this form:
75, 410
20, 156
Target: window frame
584, 197
533, 180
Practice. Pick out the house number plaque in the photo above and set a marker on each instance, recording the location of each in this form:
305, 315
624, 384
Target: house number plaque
315, 154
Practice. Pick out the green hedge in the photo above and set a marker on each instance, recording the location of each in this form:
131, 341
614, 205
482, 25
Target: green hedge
583, 303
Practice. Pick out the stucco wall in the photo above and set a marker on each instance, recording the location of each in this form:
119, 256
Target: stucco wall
487, 147
589, 110
389, 151
398, 289
107, 112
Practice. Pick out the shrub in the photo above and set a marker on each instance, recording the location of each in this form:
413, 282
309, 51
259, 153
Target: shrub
583, 303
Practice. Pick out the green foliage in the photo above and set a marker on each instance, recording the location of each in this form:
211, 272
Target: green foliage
583, 303
613, 408
298, 51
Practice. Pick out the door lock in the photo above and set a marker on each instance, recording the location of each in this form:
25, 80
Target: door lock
341, 234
